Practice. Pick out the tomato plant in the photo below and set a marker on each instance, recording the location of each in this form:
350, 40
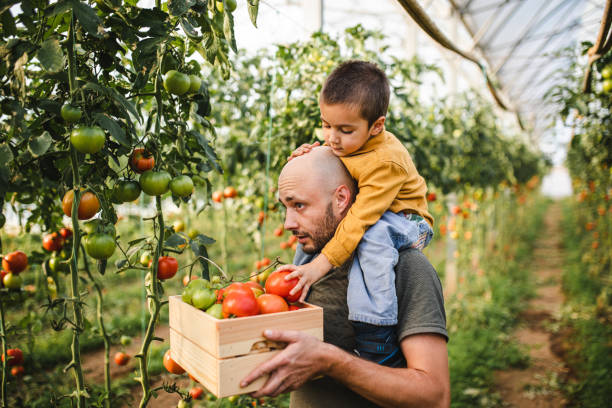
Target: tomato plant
15, 357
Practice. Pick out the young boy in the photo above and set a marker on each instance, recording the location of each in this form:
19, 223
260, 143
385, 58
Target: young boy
389, 212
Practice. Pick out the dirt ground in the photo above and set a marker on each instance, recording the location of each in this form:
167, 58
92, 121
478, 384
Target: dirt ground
536, 385
93, 369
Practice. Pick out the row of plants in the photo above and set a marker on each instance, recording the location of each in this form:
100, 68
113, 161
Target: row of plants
586, 326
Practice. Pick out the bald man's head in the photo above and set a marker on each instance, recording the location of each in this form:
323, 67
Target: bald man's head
317, 191
321, 167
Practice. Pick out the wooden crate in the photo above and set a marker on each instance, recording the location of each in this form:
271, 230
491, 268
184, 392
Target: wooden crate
220, 353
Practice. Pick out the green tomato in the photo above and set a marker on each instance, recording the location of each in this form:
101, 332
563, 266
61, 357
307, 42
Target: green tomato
12, 281
193, 233
215, 280
100, 246
216, 311
181, 186
200, 181
203, 298
96, 225
155, 183
145, 258
56, 264
186, 296
71, 113
607, 85
183, 404
195, 82
125, 340
88, 139
126, 191
606, 72
176, 82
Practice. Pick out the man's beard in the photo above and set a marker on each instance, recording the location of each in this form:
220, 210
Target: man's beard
323, 233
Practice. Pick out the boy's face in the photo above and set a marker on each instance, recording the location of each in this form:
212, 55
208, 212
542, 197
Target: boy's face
344, 130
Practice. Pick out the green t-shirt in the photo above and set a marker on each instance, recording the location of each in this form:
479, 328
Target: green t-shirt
420, 310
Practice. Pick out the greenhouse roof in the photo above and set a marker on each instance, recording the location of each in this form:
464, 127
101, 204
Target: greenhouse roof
521, 40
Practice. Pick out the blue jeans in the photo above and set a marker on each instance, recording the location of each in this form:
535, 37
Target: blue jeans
371, 293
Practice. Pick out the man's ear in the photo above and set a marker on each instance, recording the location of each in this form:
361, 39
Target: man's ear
342, 199
377, 126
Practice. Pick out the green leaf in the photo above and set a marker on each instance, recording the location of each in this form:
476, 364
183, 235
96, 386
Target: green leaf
190, 30
174, 241
51, 56
6, 156
204, 240
113, 128
228, 29
39, 145
253, 10
179, 7
200, 251
87, 17
8, 23
59, 8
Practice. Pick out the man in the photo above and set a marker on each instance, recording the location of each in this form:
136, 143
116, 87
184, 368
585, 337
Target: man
317, 192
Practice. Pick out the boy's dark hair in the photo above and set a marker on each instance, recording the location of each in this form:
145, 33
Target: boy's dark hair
361, 84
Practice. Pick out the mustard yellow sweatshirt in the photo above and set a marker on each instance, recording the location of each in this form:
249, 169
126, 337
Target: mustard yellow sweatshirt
387, 180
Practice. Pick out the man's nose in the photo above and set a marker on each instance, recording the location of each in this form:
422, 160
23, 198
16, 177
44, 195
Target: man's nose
291, 223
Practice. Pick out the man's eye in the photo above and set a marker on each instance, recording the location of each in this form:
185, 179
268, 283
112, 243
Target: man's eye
299, 206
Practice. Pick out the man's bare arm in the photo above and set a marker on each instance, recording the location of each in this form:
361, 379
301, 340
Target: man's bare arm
424, 383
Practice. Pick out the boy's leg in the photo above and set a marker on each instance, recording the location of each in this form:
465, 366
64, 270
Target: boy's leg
371, 293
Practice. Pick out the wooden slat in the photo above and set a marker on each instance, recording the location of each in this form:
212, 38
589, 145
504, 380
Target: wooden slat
220, 377
235, 337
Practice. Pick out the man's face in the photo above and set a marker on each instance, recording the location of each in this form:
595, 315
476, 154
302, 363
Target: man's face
309, 211
344, 130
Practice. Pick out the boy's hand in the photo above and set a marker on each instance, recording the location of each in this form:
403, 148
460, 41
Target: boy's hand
308, 274
303, 149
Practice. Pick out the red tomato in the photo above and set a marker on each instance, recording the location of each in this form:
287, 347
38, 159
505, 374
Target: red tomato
285, 245
230, 192
239, 304
278, 231
66, 233
121, 358
167, 267
237, 287
53, 242
141, 160
269, 303
15, 262
292, 240
277, 285
196, 392
431, 197
171, 365
17, 371
217, 196
265, 262
220, 294
257, 265
15, 357
260, 217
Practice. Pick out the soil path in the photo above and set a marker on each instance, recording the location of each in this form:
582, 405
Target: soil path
93, 369
535, 386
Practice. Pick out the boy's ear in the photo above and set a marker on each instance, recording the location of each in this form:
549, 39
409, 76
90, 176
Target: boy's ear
377, 126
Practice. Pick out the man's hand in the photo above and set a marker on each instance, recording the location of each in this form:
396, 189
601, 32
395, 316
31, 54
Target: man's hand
301, 360
303, 149
308, 274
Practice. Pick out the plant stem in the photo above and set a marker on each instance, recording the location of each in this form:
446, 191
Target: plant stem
154, 297
224, 241
4, 361
105, 336
75, 364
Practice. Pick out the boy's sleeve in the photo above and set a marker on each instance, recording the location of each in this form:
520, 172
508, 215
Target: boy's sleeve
378, 187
